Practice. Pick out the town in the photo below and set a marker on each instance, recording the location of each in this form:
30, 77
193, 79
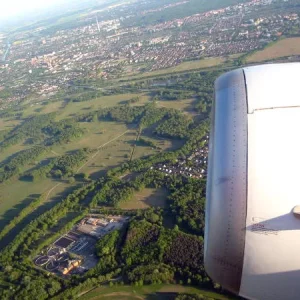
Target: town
45, 61
193, 166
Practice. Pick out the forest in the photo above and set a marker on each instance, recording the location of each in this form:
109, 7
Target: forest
153, 254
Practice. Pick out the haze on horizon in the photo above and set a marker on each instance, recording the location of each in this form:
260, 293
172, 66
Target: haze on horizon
19, 12
18, 8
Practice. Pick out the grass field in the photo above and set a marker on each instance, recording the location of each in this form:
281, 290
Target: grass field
183, 105
282, 48
14, 194
6, 124
146, 198
11, 150
66, 110
185, 66
152, 292
112, 142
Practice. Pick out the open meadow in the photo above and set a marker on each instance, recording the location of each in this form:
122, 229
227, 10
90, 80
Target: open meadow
146, 198
111, 144
183, 67
67, 110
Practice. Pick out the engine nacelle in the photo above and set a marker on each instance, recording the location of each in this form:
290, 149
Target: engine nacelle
252, 230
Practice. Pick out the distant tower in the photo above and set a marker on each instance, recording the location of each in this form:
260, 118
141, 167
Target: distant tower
98, 24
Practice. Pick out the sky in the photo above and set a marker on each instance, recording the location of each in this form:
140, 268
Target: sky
13, 8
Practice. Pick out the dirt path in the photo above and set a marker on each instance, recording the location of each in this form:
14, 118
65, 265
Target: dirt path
55, 153
98, 149
50, 191
91, 158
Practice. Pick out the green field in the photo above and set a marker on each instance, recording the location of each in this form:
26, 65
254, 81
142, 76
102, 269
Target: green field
146, 198
8, 124
185, 66
68, 110
153, 292
182, 105
113, 143
13, 194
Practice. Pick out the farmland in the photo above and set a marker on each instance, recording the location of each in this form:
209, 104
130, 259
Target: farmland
280, 49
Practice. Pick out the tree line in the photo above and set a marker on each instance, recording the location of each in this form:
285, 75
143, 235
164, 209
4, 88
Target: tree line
61, 167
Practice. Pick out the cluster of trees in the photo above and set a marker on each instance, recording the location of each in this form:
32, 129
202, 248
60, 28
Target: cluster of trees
147, 142
113, 192
3, 134
83, 97
171, 94
182, 86
13, 165
62, 132
125, 113
176, 125
152, 115
30, 129
168, 122
133, 100
107, 249
188, 205
59, 167
153, 254
152, 273
66, 163
164, 122
11, 113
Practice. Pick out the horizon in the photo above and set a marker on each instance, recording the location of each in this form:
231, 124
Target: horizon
19, 8
17, 13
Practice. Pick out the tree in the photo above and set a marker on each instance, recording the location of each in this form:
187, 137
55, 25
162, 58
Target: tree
86, 176
71, 180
